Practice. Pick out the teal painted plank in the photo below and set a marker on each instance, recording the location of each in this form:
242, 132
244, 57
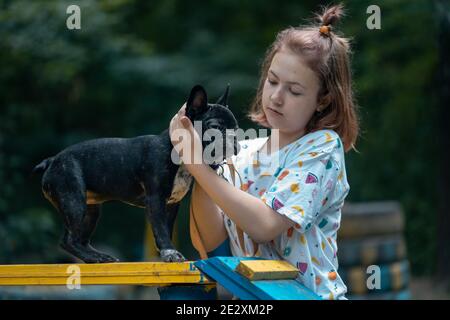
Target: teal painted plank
221, 270
286, 290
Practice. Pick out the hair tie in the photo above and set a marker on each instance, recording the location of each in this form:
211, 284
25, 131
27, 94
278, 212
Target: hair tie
325, 30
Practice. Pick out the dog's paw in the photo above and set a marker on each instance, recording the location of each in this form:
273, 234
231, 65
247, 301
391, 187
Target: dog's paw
104, 258
172, 255
100, 259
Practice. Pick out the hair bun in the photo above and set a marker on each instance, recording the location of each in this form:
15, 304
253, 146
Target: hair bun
331, 15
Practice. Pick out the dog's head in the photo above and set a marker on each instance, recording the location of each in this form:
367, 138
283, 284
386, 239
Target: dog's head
218, 125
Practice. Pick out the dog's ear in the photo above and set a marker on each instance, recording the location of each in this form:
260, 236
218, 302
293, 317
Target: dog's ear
197, 101
223, 100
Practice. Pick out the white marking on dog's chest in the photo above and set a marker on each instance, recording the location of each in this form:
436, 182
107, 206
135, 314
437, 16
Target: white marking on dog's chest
181, 185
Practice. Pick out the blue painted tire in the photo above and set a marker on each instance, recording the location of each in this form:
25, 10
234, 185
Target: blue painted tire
372, 250
400, 295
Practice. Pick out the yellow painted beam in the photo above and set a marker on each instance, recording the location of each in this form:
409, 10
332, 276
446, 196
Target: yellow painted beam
266, 270
127, 273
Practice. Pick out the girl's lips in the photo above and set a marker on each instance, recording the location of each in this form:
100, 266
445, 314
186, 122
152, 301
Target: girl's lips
275, 112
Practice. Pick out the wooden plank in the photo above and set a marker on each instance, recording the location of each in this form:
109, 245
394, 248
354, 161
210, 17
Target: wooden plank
127, 273
222, 270
266, 270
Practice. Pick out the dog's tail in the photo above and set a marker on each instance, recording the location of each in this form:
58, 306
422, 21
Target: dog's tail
41, 167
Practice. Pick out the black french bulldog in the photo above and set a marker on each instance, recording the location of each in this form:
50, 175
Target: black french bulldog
138, 171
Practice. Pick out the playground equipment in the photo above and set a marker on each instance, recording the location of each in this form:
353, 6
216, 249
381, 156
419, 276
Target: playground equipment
371, 241
184, 280
370, 234
130, 273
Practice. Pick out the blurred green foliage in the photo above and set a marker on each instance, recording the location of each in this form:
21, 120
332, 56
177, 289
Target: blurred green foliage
132, 65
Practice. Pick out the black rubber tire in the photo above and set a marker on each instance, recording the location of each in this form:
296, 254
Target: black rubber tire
370, 219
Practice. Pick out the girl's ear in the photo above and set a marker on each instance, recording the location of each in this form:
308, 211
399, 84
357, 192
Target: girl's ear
324, 102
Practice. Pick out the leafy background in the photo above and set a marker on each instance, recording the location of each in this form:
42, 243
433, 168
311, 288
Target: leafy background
132, 65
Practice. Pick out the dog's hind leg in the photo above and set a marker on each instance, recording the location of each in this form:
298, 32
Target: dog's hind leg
73, 208
88, 227
90, 220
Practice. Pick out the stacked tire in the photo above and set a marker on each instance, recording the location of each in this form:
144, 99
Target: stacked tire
372, 252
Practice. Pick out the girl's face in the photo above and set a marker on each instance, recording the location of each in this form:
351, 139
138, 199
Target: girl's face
289, 95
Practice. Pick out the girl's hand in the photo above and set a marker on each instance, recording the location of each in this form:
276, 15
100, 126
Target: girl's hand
185, 139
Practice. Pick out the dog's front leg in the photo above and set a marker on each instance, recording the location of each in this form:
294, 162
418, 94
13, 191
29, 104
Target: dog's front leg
172, 211
158, 218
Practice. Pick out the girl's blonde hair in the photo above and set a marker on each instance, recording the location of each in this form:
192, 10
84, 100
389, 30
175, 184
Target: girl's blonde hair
328, 55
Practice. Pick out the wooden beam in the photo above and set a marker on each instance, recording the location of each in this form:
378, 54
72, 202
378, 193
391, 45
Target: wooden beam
266, 270
127, 273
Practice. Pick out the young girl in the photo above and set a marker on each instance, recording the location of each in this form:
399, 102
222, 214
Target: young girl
287, 202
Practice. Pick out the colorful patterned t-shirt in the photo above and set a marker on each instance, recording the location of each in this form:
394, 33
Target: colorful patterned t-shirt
305, 181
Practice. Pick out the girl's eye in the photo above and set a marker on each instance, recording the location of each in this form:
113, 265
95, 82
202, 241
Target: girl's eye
295, 93
271, 81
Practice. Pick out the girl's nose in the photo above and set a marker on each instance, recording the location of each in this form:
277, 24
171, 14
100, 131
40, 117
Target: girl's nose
276, 96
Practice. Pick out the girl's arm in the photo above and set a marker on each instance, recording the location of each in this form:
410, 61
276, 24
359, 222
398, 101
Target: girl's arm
253, 216
208, 218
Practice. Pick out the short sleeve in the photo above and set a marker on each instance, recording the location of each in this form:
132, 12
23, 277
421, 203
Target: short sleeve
306, 182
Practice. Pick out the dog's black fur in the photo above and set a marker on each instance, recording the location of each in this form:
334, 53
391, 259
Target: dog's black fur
138, 171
